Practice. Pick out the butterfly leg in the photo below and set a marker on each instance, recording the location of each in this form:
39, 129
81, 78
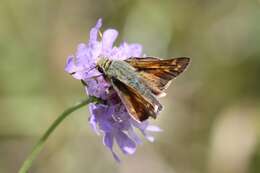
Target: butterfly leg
93, 77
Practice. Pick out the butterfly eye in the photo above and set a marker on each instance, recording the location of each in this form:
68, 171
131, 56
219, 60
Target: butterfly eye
100, 69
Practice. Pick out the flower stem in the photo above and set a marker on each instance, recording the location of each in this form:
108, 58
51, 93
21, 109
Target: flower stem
39, 145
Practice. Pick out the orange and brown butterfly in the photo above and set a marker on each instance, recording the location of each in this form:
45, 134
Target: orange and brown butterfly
139, 82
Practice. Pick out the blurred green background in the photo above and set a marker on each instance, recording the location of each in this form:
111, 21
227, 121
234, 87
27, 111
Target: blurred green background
212, 112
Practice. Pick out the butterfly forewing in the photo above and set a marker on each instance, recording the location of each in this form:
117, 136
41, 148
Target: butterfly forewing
157, 73
137, 106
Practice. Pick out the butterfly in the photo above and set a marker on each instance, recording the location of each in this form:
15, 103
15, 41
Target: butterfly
140, 81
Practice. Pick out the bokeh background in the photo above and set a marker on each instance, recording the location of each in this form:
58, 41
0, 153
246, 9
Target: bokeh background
212, 112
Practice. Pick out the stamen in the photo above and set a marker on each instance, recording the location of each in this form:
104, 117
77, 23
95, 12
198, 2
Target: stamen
100, 34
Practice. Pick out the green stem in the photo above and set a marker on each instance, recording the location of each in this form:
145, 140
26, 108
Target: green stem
39, 145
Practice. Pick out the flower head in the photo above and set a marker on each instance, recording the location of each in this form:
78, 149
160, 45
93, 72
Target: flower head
110, 119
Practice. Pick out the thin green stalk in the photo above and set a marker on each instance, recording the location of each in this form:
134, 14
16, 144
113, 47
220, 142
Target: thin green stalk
39, 145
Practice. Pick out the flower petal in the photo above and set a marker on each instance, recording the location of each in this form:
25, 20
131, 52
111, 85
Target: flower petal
108, 141
92, 120
70, 65
150, 138
126, 144
134, 136
153, 128
84, 56
126, 50
135, 50
108, 40
94, 31
78, 75
143, 128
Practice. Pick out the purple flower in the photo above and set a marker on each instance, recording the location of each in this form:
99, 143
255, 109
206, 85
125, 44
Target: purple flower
112, 119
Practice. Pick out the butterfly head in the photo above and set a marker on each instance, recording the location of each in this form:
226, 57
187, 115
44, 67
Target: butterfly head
103, 64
